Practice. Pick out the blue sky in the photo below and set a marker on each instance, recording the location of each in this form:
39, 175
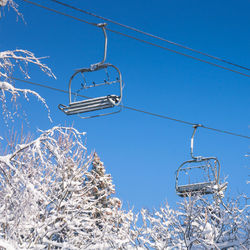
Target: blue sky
142, 152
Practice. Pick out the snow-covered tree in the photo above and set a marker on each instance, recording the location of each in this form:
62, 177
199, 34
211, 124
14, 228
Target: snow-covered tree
33, 185
114, 224
101, 191
50, 199
198, 223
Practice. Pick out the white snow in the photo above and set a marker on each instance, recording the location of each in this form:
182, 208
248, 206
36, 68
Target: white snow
6, 245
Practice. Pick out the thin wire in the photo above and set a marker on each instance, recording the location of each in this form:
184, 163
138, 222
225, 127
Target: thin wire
138, 39
160, 116
59, 12
188, 123
149, 34
139, 110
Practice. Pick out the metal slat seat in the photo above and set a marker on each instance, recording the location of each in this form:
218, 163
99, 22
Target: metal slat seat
89, 105
203, 188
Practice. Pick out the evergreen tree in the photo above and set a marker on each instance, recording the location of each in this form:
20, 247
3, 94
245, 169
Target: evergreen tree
101, 191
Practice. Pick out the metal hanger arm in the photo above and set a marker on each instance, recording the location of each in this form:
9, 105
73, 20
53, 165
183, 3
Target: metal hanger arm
192, 141
103, 25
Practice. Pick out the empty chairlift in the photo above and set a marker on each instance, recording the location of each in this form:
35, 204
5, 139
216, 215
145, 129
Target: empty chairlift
94, 106
200, 175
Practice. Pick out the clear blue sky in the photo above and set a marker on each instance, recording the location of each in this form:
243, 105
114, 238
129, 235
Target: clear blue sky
142, 152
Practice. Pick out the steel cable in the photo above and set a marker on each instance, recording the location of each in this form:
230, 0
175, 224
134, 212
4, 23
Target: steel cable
149, 34
139, 110
138, 39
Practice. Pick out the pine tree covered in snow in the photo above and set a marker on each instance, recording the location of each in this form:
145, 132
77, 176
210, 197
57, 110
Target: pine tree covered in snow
113, 223
102, 189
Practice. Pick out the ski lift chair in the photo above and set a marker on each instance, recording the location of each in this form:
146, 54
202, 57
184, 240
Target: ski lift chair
208, 168
88, 105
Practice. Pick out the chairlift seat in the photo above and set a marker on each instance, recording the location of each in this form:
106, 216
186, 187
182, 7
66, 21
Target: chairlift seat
88, 105
97, 103
203, 188
210, 166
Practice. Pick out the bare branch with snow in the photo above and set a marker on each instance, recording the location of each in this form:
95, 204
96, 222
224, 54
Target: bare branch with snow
11, 5
21, 59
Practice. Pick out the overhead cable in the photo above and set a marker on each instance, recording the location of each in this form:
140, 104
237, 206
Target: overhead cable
59, 12
139, 110
138, 39
149, 34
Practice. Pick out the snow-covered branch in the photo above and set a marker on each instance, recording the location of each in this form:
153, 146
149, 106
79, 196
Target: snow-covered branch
21, 59
9, 59
11, 4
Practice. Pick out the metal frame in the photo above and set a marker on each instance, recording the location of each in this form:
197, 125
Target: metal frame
203, 187
97, 103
